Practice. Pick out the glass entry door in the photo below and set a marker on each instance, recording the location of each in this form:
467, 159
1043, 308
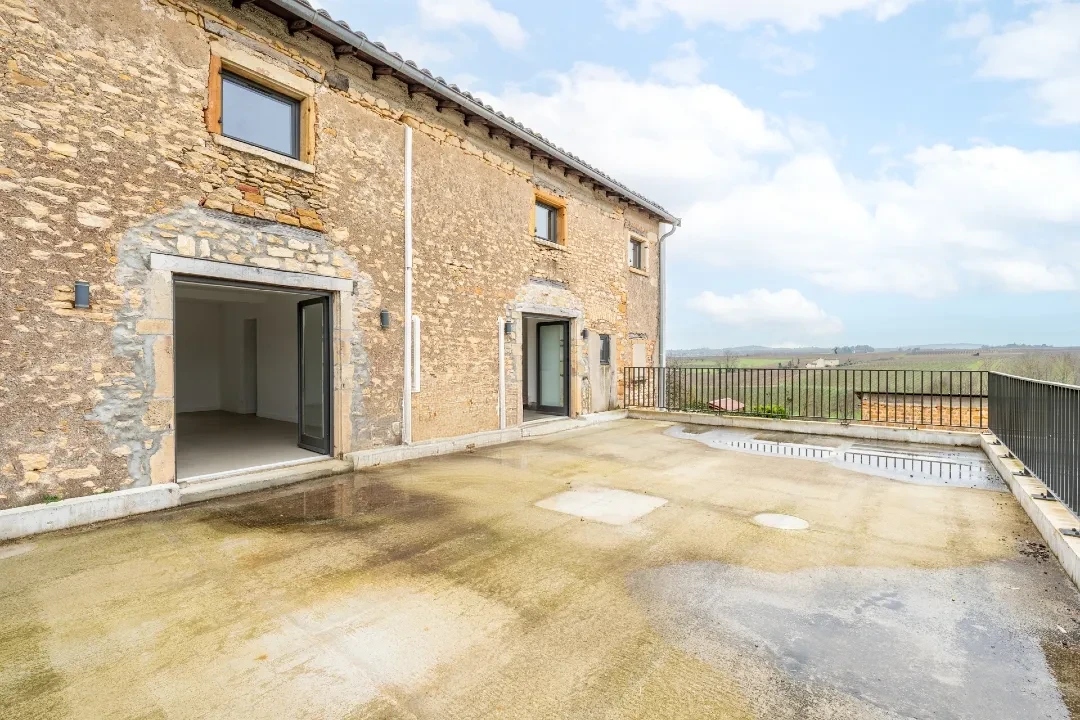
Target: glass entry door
552, 363
313, 412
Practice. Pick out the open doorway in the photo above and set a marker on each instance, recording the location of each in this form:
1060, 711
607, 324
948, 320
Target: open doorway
253, 377
546, 361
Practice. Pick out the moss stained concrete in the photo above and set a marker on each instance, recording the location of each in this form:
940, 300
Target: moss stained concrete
437, 589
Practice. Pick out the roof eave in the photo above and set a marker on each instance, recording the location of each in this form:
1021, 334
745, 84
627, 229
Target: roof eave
342, 37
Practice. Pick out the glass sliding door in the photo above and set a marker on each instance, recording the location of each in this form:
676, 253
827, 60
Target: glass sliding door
313, 335
552, 363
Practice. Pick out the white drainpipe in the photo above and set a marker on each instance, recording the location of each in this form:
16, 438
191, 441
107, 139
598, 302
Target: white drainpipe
661, 340
407, 325
502, 374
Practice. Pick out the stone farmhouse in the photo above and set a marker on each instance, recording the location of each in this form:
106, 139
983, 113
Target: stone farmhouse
239, 234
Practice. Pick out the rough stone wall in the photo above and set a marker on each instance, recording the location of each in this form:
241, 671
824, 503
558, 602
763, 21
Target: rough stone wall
98, 109
102, 132
903, 411
643, 292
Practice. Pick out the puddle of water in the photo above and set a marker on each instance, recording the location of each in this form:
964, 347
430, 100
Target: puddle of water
317, 505
781, 522
920, 464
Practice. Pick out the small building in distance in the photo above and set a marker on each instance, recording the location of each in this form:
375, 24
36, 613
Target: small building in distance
822, 363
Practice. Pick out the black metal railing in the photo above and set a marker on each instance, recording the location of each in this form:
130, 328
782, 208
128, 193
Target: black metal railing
938, 398
1040, 423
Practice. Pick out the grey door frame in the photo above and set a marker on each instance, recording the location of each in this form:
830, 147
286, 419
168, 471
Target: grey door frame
322, 296
564, 409
306, 441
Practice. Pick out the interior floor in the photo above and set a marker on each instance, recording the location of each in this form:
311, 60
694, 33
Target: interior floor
530, 415
216, 441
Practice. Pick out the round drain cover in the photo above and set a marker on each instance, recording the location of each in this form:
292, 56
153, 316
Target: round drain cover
781, 522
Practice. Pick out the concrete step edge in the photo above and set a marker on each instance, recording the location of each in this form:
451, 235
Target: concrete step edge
261, 480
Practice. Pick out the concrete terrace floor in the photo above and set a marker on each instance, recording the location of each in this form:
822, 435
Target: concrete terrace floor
438, 589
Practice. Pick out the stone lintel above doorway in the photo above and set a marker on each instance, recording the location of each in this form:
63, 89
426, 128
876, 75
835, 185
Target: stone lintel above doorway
247, 273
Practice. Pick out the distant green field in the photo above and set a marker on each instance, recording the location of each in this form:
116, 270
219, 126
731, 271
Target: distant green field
1057, 365
868, 361
860, 362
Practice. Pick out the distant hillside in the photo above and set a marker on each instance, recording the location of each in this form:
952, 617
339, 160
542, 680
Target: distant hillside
762, 350
759, 350
746, 350
947, 346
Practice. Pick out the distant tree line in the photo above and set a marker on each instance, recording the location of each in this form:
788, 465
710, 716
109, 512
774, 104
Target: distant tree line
1061, 367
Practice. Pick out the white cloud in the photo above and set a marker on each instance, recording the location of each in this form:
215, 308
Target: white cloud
503, 26
776, 313
973, 26
1025, 276
416, 46
672, 138
760, 193
683, 66
778, 58
793, 15
1045, 51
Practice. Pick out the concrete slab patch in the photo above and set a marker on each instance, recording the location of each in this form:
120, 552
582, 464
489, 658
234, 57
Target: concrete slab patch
911, 643
7, 551
781, 522
606, 505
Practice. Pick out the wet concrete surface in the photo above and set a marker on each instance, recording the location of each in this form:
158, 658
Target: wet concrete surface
437, 589
950, 643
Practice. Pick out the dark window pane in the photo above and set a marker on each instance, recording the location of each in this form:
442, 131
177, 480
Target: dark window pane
259, 116
636, 254
605, 349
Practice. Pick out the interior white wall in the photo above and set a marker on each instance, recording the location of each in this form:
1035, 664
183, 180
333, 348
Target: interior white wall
198, 355
277, 367
233, 381
211, 373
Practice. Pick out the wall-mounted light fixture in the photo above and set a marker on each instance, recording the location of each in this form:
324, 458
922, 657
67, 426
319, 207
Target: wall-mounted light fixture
82, 294
508, 327
585, 333
384, 319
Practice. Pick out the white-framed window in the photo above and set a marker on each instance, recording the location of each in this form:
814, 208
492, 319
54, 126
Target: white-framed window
637, 254
259, 115
547, 223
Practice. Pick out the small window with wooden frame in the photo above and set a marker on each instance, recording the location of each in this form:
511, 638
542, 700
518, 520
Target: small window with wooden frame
638, 255
257, 107
549, 218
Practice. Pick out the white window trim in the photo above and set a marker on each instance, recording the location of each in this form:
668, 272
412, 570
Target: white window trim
234, 144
